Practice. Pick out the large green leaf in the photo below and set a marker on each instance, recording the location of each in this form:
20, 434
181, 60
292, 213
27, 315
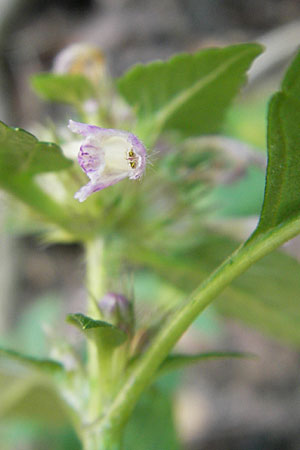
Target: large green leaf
282, 192
267, 295
98, 329
63, 88
190, 92
22, 153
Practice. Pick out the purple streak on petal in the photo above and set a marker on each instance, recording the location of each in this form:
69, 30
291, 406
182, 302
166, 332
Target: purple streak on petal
91, 159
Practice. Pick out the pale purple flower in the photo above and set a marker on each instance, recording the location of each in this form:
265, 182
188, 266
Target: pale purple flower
107, 156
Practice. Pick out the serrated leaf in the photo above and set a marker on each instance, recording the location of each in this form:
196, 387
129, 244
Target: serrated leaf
267, 296
180, 361
63, 88
98, 329
282, 192
47, 366
190, 92
22, 153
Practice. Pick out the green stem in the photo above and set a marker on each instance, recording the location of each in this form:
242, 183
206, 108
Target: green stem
95, 289
95, 275
258, 246
97, 440
99, 358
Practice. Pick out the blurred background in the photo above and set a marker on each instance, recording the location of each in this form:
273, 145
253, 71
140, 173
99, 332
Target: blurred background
220, 405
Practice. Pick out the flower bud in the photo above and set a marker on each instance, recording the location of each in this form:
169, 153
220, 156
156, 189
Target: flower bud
116, 309
82, 59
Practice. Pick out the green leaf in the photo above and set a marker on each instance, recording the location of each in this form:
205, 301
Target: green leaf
22, 153
47, 366
190, 92
178, 361
21, 157
267, 295
98, 329
70, 88
282, 192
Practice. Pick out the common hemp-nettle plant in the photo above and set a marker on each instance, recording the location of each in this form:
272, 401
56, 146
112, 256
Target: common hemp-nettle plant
134, 180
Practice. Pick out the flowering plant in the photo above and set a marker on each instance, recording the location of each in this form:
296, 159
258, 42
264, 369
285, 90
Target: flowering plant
161, 217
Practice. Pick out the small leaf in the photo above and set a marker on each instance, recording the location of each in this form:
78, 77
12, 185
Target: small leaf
22, 153
70, 88
282, 192
47, 366
179, 361
190, 92
98, 329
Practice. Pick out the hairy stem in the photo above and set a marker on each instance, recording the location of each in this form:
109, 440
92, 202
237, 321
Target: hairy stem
95, 280
99, 361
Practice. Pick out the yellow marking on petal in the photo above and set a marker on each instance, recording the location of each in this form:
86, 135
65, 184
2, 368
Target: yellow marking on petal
133, 164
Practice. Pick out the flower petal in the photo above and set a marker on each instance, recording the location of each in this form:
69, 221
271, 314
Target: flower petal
83, 128
97, 185
92, 130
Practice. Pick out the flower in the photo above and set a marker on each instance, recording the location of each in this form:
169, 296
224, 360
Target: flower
107, 156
